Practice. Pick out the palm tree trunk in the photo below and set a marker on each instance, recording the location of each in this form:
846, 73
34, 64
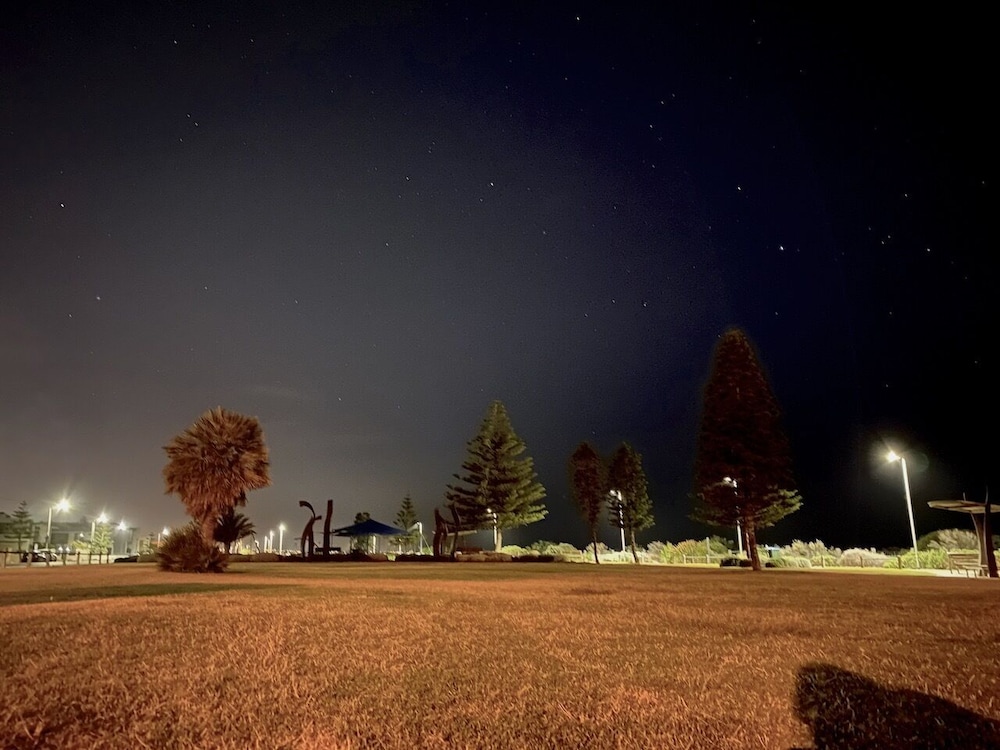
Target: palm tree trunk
597, 560
631, 544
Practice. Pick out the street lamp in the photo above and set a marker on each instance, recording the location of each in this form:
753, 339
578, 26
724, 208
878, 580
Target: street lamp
281, 538
739, 530
123, 527
892, 456
493, 517
621, 517
161, 535
61, 505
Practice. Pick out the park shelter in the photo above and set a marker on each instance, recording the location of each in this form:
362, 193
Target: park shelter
369, 527
980, 513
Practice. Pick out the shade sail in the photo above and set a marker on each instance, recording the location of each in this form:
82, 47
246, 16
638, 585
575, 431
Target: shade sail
371, 527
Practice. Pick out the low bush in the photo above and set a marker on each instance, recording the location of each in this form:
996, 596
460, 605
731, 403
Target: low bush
186, 551
861, 558
734, 562
931, 559
788, 561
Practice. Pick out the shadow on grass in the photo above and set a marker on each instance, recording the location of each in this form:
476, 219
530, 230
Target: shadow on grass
115, 592
846, 711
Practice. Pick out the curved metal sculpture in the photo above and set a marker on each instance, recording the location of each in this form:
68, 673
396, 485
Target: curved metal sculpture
308, 542
455, 527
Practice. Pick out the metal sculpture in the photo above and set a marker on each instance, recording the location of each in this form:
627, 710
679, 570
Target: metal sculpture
308, 543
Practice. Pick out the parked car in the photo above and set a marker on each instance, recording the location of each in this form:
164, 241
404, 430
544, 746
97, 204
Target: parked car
127, 559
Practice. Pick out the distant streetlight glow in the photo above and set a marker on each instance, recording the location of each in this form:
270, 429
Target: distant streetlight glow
101, 519
892, 457
60, 506
281, 538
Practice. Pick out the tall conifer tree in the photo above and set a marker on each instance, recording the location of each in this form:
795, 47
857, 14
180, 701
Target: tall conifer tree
743, 467
406, 518
498, 489
587, 475
23, 528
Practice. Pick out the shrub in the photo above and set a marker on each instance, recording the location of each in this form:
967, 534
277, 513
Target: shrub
691, 548
788, 561
186, 551
931, 559
734, 562
949, 539
513, 550
812, 550
861, 558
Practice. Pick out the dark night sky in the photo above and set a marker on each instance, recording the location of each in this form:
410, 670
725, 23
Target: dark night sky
363, 225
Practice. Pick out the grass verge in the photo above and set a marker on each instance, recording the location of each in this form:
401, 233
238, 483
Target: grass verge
494, 656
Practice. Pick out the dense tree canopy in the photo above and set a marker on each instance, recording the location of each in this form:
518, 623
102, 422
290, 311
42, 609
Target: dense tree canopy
232, 527
587, 475
498, 488
629, 507
743, 467
214, 463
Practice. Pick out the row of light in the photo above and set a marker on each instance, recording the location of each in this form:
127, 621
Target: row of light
63, 505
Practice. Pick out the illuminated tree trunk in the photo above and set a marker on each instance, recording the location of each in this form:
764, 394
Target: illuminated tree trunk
751, 532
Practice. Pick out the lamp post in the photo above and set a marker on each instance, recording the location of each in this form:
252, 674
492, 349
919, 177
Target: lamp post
161, 535
493, 517
621, 517
122, 527
739, 529
892, 456
61, 505
281, 538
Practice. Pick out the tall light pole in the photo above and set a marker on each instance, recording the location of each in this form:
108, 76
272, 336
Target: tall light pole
893, 456
739, 529
281, 538
493, 517
621, 517
61, 505
122, 527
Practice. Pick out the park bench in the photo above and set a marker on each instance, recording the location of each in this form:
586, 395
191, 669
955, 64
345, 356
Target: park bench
966, 562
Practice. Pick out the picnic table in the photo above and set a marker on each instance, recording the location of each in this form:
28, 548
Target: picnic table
980, 513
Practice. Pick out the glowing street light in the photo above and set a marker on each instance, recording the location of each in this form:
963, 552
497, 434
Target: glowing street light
162, 535
892, 456
60, 506
281, 538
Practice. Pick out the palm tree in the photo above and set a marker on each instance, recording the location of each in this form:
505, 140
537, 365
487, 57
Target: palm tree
232, 527
214, 463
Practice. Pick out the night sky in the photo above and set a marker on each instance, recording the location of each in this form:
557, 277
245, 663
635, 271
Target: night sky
362, 224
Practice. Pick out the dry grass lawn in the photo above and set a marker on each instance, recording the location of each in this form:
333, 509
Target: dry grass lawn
411, 655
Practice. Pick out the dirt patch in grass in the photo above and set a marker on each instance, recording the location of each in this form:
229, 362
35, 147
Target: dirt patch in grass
448, 656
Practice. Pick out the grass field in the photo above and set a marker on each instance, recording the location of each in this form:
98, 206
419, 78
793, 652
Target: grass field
412, 655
